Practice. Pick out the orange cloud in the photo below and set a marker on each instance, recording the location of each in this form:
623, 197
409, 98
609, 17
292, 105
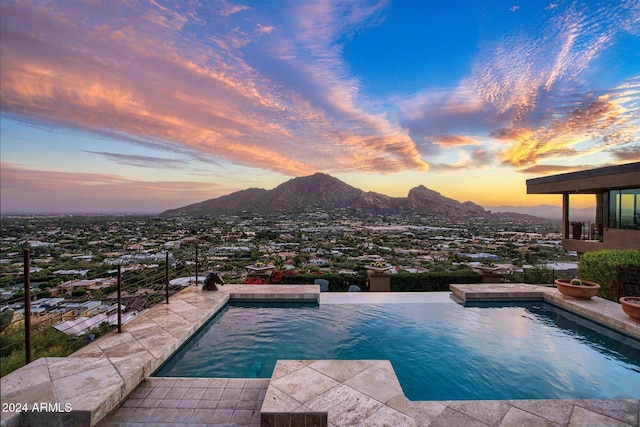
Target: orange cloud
553, 169
157, 85
600, 124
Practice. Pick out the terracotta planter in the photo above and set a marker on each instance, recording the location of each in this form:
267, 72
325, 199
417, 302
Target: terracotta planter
584, 291
631, 306
379, 278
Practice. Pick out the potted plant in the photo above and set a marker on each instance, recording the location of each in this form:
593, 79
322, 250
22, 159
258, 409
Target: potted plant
576, 288
631, 306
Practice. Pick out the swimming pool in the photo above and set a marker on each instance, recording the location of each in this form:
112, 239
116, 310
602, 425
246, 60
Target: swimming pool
440, 350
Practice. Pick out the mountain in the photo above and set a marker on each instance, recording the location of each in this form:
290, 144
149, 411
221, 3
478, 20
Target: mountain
322, 191
546, 211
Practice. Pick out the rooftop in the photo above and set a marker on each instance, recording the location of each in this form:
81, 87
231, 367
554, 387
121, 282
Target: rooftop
587, 181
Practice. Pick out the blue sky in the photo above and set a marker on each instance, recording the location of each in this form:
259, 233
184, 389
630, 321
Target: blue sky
142, 106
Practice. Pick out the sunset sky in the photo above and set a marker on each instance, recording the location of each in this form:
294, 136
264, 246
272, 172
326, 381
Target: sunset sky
142, 106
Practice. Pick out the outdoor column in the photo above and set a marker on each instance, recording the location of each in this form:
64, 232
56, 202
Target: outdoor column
379, 278
565, 215
599, 216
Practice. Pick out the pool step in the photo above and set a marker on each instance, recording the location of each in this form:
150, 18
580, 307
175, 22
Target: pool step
335, 393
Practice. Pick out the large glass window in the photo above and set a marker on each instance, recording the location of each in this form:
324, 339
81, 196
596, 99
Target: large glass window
624, 208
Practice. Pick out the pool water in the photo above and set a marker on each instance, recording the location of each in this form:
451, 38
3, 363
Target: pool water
440, 351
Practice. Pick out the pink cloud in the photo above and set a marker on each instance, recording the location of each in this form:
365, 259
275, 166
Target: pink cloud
449, 141
626, 154
50, 191
467, 159
232, 9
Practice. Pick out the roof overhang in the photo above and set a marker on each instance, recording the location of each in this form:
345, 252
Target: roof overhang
590, 181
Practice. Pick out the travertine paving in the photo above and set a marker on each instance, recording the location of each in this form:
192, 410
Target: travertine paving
513, 413
349, 392
95, 380
164, 407
111, 376
192, 402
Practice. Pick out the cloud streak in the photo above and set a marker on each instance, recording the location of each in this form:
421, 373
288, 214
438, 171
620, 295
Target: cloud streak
142, 161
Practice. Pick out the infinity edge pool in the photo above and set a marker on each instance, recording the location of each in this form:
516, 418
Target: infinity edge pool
98, 378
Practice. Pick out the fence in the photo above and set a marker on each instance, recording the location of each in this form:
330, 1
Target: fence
67, 317
628, 281
537, 276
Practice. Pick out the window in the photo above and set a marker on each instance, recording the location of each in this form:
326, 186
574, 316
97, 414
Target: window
624, 209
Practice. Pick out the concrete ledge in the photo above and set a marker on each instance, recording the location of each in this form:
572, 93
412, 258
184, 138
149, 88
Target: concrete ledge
598, 309
84, 387
274, 292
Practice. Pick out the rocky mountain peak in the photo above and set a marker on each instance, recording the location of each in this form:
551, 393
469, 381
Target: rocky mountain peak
322, 191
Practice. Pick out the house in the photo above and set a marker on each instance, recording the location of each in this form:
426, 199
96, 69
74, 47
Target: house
87, 307
616, 190
87, 284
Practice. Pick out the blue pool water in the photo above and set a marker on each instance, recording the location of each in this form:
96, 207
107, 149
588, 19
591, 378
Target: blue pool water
440, 351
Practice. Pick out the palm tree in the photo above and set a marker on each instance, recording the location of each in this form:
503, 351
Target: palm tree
278, 262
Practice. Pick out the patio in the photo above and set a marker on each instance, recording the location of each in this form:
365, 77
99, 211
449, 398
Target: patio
107, 383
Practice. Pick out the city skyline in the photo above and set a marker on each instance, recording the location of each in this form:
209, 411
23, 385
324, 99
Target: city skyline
144, 107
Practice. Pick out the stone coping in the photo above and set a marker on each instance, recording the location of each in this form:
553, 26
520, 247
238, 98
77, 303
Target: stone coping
335, 393
82, 388
600, 310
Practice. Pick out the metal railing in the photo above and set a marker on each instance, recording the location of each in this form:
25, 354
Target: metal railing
537, 276
585, 230
34, 324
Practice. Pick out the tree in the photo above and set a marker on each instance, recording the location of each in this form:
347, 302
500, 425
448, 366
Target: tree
78, 292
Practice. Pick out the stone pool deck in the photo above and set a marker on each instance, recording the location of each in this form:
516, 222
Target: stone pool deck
598, 309
107, 383
95, 380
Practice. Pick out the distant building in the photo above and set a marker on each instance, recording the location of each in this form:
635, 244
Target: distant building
87, 284
617, 195
71, 272
480, 255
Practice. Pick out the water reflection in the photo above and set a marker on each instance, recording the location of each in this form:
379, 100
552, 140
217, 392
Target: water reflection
440, 351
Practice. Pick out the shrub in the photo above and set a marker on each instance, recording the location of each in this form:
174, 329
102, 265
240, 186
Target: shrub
46, 342
47, 285
78, 292
602, 267
337, 282
401, 282
538, 274
432, 281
